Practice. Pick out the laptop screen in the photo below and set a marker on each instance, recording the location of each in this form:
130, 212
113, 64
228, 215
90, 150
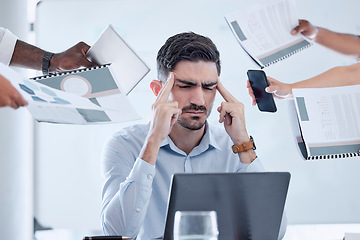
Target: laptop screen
248, 205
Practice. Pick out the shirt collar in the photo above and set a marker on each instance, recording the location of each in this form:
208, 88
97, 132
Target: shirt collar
208, 141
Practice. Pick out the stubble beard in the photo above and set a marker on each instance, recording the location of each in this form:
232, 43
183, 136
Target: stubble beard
193, 123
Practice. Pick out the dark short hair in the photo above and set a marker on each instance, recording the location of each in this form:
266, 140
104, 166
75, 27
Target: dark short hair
187, 46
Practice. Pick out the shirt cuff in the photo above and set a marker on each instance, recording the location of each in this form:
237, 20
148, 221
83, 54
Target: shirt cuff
7, 46
255, 166
142, 173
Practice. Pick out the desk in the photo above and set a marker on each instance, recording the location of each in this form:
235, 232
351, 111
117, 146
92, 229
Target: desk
319, 231
294, 232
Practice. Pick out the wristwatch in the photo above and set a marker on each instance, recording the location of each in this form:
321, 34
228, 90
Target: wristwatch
46, 62
244, 146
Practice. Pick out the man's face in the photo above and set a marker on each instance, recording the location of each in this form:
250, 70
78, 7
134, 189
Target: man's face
194, 89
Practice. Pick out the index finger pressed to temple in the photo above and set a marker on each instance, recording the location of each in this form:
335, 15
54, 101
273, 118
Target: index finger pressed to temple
165, 91
225, 93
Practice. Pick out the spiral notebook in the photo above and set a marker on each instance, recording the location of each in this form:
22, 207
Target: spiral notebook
108, 84
98, 85
263, 31
327, 122
126, 66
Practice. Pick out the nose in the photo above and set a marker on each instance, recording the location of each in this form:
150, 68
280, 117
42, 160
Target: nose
197, 96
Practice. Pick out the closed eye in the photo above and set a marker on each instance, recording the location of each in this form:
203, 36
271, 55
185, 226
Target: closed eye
209, 88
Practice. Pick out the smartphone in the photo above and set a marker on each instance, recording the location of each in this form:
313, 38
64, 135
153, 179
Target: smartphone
258, 82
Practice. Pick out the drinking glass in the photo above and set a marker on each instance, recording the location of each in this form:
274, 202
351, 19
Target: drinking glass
195, 225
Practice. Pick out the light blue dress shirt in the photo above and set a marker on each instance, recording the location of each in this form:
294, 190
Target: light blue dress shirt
135, 193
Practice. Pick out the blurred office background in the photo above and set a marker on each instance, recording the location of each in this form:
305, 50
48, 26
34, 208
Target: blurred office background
52, 171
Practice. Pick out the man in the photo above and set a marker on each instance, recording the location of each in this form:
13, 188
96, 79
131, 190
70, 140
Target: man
138, 161
17, 53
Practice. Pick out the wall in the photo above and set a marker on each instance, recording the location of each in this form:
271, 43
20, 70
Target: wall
68, 157
16, 146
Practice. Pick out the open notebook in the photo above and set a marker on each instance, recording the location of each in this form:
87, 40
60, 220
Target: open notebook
325, 122
263, 31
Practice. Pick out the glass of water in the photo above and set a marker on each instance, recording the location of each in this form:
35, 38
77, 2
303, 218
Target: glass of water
195, 225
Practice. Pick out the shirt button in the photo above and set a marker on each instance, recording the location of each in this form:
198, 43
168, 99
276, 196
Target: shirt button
150, 177
138, 210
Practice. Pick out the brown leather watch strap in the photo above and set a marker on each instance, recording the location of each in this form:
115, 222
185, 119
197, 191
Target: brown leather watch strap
244, 146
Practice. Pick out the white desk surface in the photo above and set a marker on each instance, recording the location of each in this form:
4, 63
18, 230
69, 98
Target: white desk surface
320, 231
294, 232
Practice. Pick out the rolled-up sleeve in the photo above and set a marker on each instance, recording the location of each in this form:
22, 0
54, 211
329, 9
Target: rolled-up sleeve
7, 45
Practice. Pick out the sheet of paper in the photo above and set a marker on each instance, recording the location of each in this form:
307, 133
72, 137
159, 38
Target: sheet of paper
329, 117
264, 30
47, 104
126, 66
352, 236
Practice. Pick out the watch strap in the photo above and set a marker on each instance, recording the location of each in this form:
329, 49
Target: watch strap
46, 63
244, 146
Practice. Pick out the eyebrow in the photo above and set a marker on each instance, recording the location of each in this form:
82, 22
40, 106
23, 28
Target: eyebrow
206, 84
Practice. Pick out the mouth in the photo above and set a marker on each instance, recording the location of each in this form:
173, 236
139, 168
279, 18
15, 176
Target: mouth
193, 112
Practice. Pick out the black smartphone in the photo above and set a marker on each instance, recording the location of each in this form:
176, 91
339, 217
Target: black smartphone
258, 82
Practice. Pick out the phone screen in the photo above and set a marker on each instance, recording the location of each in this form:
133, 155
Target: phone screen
258, 82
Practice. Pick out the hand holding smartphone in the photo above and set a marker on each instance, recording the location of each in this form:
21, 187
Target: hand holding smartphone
258, 82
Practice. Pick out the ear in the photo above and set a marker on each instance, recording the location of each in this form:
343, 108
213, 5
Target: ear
156, 86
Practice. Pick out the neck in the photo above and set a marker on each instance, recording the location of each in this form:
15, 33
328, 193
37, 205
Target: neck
186, 139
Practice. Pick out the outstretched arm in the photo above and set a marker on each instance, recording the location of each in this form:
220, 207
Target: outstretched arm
341, 42
28, 56
9, 96
335, 77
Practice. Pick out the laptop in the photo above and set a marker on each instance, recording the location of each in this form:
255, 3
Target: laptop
248, 205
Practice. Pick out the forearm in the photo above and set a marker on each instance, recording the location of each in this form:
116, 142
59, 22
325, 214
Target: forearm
27, 56
338, 76
248, 156
150, 149
344, 43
